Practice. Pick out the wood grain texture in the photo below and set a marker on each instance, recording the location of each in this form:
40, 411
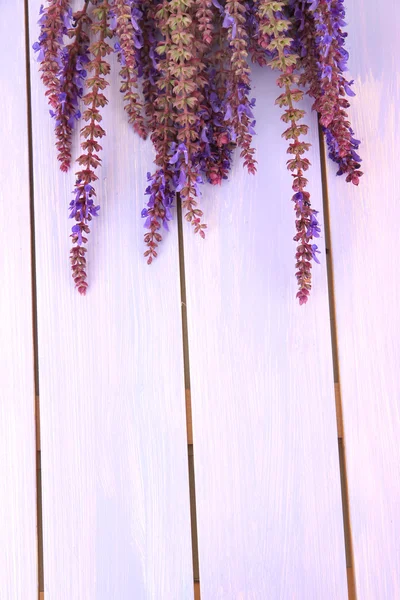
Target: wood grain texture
116, 513
263, 404
18, 543
365, 249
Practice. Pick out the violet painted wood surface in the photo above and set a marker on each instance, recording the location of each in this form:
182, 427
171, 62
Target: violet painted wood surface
264, 430
116, 520
366, 247
114, 454
18, 544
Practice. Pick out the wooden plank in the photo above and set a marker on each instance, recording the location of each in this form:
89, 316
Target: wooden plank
18, 543
116, 512
365, 250
263, 405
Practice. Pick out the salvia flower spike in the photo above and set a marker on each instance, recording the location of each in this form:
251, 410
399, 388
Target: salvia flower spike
186, 84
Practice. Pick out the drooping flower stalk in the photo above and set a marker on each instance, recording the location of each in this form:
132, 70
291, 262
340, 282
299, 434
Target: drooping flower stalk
213, 158
186, 73
150, 71
217, 132
160, 190
82, 207
305, 38
54, 21
74, 58
239, 107
324, 62
257, 52
204, 16
63, 69
275, 26
339, 135
128, 16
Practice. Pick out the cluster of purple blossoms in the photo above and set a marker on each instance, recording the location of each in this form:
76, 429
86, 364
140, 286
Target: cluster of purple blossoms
324, 59
186, 84
216, 151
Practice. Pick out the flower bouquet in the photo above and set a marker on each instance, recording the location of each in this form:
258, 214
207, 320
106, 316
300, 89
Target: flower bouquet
185, 76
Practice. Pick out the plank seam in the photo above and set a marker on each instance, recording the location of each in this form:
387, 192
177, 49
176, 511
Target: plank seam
39, 515
186, 363
339, 413
351, 586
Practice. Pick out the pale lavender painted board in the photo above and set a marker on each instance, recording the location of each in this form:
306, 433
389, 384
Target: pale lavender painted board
18, 541
265, 440
113, 434
366, 249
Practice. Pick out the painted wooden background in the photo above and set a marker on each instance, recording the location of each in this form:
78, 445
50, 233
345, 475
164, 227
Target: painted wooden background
365, 248
292, 439
18, 545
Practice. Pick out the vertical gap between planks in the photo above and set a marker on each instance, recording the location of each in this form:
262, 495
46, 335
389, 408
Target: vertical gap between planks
196, 591
336, 374
39, 515
192, 485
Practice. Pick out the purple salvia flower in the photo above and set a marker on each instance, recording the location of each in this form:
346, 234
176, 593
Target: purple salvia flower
313, 229
314, 252
217, 5
229, 21
228, 113
177, 151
